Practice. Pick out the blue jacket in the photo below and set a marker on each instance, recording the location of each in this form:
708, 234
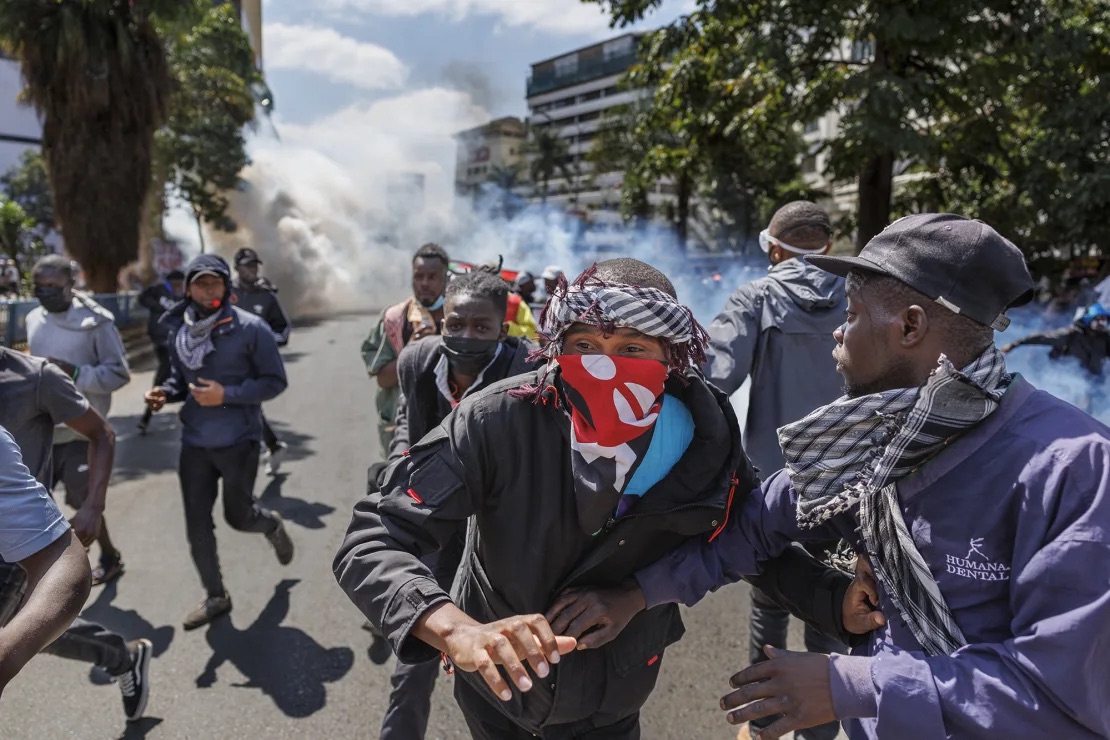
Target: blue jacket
246, 362
1013, 520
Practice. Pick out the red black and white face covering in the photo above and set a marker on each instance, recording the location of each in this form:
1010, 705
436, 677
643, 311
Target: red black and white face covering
614, 404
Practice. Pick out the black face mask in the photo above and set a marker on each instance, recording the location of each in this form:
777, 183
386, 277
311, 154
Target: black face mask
468, 356
53, 299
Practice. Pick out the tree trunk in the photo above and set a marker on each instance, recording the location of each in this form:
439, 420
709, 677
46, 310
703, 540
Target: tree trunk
876, 183
101, 277
200, 230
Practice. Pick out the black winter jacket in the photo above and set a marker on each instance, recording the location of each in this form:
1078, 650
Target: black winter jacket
261, 300
422, 407
505, 462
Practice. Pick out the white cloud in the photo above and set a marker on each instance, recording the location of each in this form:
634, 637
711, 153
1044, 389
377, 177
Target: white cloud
553, 16
329, 53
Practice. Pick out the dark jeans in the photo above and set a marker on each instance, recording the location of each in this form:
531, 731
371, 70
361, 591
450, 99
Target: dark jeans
161, 375
768, 627
486, 722
410, 701
83, 641
268, 436
200, 470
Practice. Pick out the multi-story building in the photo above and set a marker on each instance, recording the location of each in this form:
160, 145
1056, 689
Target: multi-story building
491, 153
570, 96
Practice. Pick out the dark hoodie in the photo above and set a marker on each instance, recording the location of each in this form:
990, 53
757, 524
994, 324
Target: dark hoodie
778, 330
245, 360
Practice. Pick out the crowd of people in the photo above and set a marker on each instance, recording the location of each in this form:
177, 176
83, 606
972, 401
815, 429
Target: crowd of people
549, 491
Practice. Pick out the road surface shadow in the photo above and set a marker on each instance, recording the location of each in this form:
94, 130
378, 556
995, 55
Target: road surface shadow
127, 623
283, 662
308, 514
140, 729
157, 451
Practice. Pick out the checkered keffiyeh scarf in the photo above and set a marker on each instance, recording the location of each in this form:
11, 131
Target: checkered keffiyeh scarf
855, 450
194, 339
590, 300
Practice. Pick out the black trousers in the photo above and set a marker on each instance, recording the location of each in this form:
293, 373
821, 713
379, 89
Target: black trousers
769, 626
200, 470
268, 436
486, 722
83, 641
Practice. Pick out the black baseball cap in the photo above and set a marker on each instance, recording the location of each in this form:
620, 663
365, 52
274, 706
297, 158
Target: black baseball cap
961, 263
245, 256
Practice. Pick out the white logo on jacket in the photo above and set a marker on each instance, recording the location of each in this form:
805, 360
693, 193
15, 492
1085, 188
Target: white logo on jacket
976, 565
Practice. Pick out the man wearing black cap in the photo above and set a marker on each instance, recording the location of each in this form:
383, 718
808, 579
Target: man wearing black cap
979, 506
252, 292
157, 299
224, 365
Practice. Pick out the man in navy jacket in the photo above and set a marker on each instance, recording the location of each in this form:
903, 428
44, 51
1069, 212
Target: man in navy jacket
224, 364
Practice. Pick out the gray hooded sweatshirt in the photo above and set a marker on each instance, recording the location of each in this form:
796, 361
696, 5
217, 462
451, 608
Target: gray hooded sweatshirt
778, 329
85, 336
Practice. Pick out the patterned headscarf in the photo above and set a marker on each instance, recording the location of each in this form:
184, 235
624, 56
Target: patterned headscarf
609, 306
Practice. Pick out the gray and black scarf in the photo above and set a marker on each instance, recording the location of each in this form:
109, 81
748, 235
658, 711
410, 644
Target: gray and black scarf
855, 450
194, 339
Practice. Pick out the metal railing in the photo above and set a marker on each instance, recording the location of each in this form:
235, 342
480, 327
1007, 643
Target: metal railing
13, 314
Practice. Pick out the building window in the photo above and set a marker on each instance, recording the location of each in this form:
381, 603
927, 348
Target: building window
567, 65
587, 97
809, 165
587, 117
611, 91
617, 48
812, 127
863, 51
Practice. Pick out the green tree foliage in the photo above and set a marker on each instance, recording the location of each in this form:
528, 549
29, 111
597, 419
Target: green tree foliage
1036, 165
27, 184
202, 148
954, 89
96, 72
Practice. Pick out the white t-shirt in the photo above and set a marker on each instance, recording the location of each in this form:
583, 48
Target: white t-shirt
29, 518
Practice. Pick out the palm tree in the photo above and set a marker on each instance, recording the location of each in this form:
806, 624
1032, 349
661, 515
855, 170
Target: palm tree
96, 72
549, 154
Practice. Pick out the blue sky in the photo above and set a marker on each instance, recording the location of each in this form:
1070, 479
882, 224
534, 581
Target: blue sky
327, 54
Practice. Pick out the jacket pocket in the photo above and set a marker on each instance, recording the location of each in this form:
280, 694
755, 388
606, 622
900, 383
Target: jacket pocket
643, 641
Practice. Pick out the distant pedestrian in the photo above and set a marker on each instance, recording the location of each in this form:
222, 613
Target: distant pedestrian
224, 365
1087, 340
78, 335
157, 299
251, 292
413, 318
777, 330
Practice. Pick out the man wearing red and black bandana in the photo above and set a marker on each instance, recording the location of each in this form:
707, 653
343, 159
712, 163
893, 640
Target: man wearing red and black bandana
610, 455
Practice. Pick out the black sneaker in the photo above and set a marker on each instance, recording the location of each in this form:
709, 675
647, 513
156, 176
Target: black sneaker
206, 611
279, 538
134, 684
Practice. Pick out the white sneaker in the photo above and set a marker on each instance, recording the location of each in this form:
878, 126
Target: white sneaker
274, 458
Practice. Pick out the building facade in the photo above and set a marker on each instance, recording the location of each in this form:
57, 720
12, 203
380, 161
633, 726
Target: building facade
571, 96
490, 154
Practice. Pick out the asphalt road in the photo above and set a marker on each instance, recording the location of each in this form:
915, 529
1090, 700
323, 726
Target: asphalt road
291, 662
